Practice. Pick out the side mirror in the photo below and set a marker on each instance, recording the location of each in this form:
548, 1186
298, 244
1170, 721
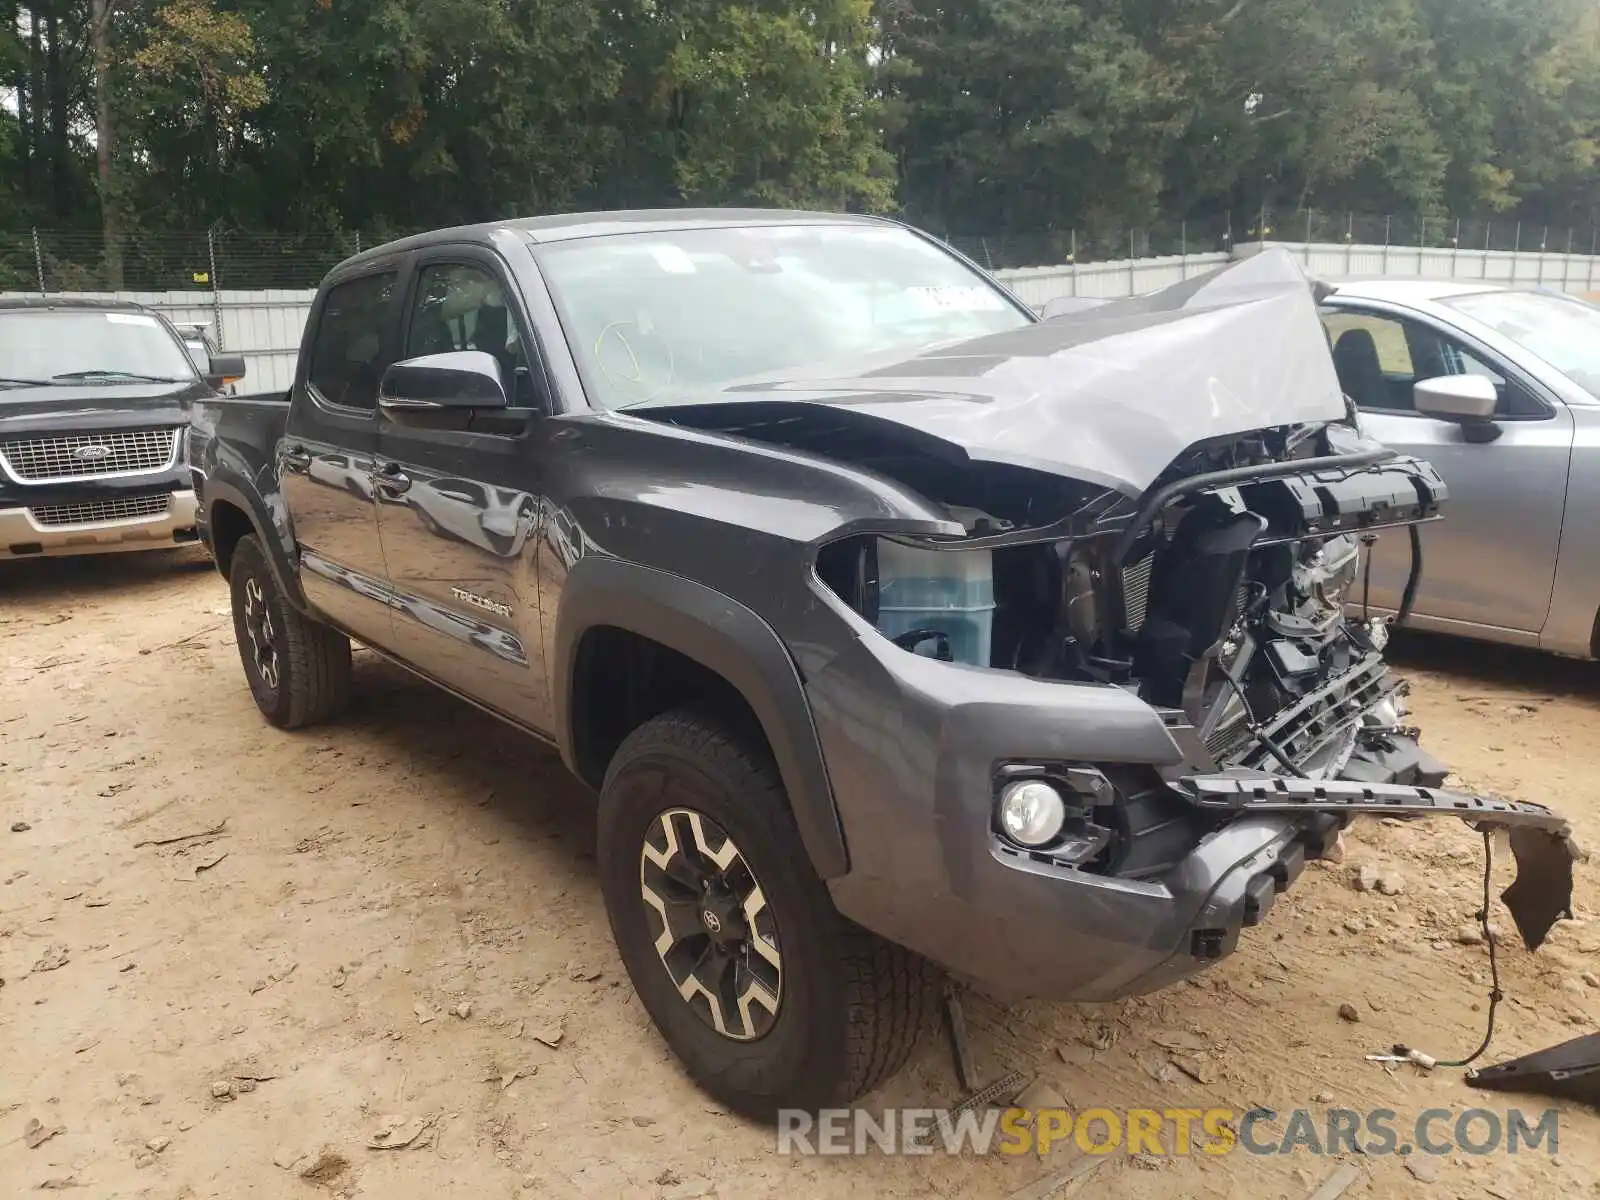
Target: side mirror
456, 379
1459, 398
225, 369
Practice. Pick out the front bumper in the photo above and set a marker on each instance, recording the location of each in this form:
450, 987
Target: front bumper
24, 534
912, 747
1541, 841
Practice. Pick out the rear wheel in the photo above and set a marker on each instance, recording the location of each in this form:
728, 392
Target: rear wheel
767, 994
298, 669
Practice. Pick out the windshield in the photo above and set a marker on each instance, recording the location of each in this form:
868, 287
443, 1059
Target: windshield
46, 347
678, 314
1559, 329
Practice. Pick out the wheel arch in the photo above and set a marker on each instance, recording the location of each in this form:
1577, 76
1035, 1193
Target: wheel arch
719, 636
230, 516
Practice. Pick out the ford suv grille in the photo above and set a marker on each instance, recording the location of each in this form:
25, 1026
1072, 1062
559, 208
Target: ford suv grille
66, 457
97, 512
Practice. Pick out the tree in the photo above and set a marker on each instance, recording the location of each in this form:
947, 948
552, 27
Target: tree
105, 139
1028, 114
760, 103
972, 116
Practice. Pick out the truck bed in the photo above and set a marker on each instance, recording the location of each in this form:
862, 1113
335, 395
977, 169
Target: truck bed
242, 431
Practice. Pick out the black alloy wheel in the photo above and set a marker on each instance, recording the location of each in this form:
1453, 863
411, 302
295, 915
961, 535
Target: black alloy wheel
711, 924
263, 635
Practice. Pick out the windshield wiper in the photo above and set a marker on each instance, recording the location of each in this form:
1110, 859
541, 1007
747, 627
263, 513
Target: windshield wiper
100, 373
7, 382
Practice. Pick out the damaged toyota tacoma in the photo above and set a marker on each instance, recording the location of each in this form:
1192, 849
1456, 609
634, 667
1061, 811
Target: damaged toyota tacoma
899, 630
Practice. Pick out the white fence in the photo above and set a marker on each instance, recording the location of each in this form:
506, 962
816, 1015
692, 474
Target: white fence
265, 326
1575, 273
1107, 280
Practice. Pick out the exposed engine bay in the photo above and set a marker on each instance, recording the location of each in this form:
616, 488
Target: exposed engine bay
1225, 601
1226, 604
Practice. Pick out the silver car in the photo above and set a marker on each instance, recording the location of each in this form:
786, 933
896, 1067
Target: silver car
1498, 388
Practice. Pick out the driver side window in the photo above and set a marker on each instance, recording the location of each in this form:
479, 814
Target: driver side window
459, 306
1380, 358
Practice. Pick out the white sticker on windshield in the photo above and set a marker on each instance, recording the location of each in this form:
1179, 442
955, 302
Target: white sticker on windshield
974, 298
130, 319
672, 259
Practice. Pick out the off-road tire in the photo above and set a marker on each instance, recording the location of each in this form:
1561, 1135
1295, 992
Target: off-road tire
852, 1005
312, 660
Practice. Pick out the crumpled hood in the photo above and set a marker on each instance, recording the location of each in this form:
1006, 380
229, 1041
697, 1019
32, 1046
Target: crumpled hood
1111, 395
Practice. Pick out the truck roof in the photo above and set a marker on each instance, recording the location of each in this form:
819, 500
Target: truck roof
561, 227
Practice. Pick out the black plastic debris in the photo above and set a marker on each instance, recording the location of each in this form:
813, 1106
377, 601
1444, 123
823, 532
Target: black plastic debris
1569, 1071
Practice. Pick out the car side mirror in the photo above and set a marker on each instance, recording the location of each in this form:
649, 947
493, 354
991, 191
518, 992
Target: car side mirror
1466, 400
457, 379
225, 369
1457, 397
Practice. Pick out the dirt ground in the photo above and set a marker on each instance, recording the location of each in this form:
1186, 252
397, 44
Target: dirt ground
388, 913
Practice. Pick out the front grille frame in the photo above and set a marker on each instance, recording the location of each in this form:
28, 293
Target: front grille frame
1307, 727
48, 459
121, 510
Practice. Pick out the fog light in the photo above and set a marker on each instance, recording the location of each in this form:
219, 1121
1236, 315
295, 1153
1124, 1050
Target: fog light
1031, 812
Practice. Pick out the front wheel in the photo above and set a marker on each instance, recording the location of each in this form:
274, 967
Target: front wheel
768, 995
298, 669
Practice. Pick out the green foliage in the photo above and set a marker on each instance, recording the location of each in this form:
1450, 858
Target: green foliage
1044, 114
971, 116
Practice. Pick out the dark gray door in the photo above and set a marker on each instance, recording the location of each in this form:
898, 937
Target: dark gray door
458, 505
325, 459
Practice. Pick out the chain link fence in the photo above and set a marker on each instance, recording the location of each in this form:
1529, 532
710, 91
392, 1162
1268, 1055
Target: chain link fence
74, 260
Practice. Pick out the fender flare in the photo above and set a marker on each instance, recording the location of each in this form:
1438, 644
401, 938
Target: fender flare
725, 637
221, 491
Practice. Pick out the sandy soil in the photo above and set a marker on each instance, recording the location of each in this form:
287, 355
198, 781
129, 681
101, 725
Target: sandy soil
388, 912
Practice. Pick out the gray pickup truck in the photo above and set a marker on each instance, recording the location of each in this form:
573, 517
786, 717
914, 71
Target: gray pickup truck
899, 631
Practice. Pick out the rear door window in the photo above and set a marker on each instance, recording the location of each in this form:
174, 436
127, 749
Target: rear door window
347, 355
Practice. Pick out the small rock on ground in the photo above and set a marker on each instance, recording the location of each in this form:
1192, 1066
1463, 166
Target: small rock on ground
329, 1164
1349, 1012
1038, 1096
1424, 1170
692, 1188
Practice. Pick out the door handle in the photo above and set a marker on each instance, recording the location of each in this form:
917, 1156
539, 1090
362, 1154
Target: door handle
391, 479
296, 459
